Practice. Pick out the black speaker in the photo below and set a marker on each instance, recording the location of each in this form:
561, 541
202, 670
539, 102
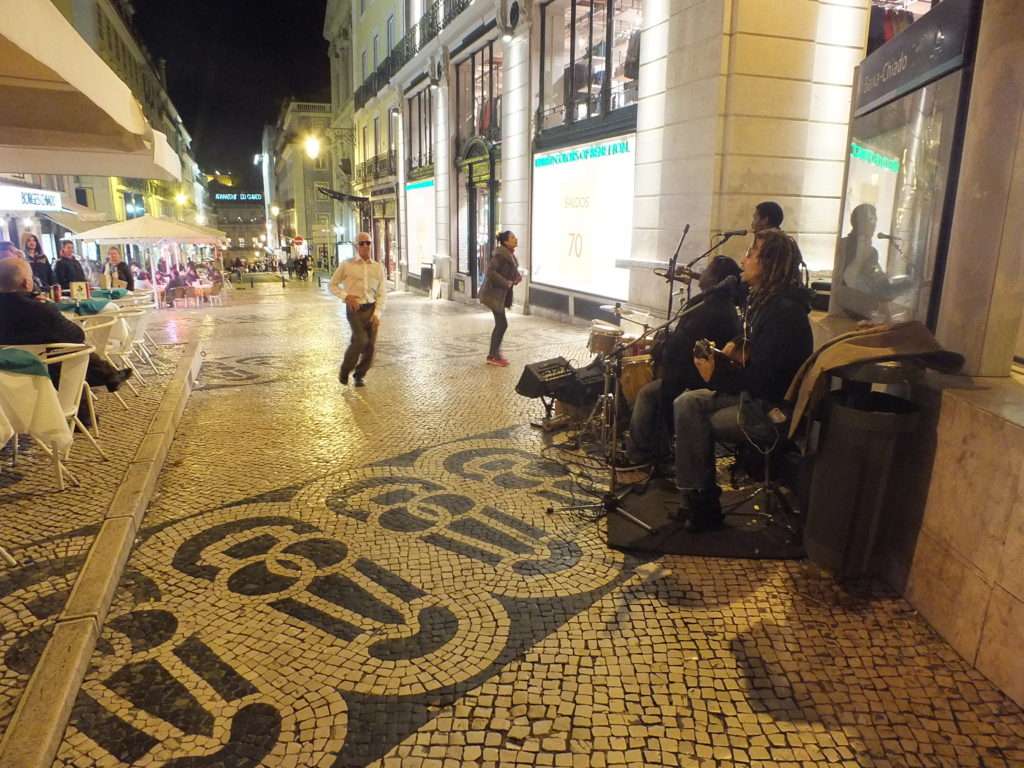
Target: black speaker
540, 378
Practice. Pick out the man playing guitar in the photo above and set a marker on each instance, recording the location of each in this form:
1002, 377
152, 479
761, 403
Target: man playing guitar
761, 363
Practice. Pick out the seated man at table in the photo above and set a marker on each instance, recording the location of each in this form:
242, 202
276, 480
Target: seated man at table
176, 281
25, 319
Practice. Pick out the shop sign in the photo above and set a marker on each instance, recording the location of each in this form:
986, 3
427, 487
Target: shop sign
421, 223
934, 45
238, 197
25, 199
583, 217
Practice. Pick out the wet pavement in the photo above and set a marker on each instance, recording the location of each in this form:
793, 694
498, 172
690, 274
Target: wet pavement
331, 576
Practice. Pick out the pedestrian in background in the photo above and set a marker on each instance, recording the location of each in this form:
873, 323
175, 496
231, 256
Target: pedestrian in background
496, 292
42, 272
68, 269
360, 283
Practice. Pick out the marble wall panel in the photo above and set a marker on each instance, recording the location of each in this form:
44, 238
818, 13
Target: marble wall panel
999, 657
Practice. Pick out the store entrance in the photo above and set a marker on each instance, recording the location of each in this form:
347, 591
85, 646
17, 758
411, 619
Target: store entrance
478, 212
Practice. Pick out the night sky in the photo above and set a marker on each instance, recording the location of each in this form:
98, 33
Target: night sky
230, 63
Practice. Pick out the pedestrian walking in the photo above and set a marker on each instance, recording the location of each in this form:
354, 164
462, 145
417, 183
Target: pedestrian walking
360, 283
496, 293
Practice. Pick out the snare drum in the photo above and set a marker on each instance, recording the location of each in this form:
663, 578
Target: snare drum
636, 372
603, 337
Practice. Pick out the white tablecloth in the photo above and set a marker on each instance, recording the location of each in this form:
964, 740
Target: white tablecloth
29, 404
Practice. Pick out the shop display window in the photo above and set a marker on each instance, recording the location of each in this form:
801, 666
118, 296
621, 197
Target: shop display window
590, 53
898, 170
478, 94
420, 111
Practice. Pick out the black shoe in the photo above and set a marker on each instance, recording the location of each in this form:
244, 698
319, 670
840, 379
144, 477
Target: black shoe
119, 378
358, 381
702, 510
343, 377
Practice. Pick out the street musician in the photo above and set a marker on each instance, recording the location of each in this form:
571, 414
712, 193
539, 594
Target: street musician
775, 342
716, 319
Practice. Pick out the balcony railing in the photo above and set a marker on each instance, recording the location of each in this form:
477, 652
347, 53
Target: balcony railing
379, 167
438, 15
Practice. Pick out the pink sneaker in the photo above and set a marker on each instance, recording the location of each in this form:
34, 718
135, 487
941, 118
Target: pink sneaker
501, 362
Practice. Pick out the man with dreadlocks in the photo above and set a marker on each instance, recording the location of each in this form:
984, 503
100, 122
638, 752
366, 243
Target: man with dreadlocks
776, 340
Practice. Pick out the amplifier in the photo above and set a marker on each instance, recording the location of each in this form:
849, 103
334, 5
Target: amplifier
540, 378
556, 378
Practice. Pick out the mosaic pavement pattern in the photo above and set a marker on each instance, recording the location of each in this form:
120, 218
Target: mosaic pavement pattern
341, 577
50, 532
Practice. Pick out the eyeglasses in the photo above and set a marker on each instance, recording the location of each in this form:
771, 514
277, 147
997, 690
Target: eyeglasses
363, 242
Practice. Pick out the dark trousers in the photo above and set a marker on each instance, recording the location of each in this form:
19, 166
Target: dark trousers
703, 417
500, 326
359, 355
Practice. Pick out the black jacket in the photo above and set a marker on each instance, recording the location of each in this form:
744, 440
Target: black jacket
124, 273
779, 338
68, 271
42, 273
716, 319
25, 320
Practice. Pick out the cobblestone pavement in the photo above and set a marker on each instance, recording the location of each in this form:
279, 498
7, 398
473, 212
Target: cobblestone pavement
333, 576
50, 532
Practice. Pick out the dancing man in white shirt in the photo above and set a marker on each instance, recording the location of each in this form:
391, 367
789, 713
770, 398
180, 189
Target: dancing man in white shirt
359, 282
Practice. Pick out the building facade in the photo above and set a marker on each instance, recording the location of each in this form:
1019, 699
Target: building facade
240, 214
296, 150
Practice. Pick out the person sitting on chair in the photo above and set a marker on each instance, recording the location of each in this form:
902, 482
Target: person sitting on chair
650, 426
25, 319
747, 381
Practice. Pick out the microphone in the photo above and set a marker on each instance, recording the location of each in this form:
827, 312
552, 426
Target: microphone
734, 233
887, 236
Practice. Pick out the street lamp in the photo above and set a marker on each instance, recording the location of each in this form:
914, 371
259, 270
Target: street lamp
181, 198
274, 210
312, 147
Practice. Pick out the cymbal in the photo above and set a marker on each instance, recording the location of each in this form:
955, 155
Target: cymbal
620, 311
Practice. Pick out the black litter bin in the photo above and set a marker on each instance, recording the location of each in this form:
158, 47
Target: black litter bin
851, 476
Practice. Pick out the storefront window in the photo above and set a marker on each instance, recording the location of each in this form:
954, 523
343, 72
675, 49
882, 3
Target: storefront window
478, 90
590, 66
421, 129
898, 167
585, 227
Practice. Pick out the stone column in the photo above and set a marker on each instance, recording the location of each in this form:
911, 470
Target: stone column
442, 184
741, 101
516, 153
983, 289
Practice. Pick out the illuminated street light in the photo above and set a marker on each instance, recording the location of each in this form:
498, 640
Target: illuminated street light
181, 198
312, 147
274, 210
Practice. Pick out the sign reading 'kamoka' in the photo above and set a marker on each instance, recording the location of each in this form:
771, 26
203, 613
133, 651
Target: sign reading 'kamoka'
238, 197
24, 199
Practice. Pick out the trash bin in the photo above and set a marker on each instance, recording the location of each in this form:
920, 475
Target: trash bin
427, 278
861, 429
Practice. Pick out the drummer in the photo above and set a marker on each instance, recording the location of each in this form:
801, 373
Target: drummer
716, 319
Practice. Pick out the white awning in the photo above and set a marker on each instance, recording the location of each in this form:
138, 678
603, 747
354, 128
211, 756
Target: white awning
64, 110
152, 230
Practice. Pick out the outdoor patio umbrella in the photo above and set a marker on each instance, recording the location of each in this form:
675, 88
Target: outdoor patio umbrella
153, 230
64, 110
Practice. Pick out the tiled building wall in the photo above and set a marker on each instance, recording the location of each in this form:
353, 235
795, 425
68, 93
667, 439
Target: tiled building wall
514, 213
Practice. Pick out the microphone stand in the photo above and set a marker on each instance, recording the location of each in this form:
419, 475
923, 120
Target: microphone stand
611, 500
672, 269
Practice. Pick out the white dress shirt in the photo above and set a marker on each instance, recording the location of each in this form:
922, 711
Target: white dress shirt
362, 278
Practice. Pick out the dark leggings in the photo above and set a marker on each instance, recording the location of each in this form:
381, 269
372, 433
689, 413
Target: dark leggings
500, 326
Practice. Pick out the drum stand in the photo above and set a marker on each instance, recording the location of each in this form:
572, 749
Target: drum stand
611, 499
